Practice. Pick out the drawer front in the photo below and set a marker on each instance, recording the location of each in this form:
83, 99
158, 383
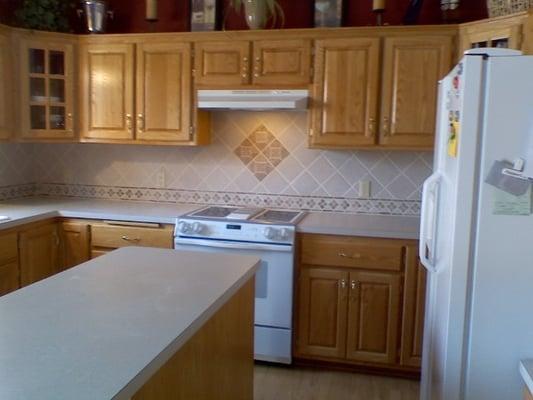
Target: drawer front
342, 251
112, 236
8, 247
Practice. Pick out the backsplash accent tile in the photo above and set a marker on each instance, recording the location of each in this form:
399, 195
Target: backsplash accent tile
17, 191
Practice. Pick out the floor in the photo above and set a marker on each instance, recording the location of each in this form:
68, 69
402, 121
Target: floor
283, 383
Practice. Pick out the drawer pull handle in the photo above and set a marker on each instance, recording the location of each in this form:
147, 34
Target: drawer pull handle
355, 256
128, 239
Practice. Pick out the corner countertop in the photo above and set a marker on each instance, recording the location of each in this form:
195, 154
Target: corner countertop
100, 330
526, 370
34, 209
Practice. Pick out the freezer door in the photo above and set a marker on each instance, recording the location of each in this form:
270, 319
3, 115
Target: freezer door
445, 234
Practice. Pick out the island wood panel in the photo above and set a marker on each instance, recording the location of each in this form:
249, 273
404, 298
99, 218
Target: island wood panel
412, 68
216, 363
413, 310
346, 251
322, 312
373, 317
344, 101
38, 253
75, 246
222, 63
6, 101
527, 394
107, 82
163, 91
282, 62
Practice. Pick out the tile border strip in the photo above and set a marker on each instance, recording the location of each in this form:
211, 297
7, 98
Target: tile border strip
308, 203
17, 191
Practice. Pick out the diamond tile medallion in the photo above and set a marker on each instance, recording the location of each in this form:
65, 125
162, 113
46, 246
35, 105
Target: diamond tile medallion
261, 152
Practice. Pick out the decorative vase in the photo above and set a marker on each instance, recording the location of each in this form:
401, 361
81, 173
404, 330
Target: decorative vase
255, 13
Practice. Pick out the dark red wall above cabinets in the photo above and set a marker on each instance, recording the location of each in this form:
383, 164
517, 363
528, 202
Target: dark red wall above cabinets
174, 14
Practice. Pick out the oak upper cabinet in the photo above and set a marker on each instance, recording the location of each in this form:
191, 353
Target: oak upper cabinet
6, 103
373, 317
74, 243
163, 91
345, 93
47, 89
9, 264
107, 102
413, 310
38, 253
261, 62
322, 316
412, 67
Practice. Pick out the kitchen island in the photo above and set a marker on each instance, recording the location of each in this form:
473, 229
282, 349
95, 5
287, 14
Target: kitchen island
137, 323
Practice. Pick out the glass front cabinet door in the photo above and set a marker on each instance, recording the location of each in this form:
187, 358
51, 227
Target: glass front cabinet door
47, 95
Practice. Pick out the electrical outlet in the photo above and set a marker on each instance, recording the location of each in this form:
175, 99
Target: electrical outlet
161, 178
364, 189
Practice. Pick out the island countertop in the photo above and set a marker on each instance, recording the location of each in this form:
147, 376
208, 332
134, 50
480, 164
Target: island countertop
100, 330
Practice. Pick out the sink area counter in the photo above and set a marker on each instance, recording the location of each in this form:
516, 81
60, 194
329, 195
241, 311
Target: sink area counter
102, 330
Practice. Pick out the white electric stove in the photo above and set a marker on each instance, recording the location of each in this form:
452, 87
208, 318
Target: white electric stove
267, 234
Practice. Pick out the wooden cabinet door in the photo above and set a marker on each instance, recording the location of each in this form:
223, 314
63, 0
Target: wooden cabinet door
75, 247
9, 277
107, 81
282, 62
38, 253
6, 113
222, 63
345, 92
414, 304
412, 69
322, 312
373, 314
47, 89
164, 91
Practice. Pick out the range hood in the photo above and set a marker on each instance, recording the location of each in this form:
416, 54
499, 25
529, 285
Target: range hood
253, 99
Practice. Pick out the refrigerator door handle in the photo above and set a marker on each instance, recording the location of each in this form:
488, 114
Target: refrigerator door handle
428, 222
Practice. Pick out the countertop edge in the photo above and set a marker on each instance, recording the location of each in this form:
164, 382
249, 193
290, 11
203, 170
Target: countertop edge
166, 354
528, 379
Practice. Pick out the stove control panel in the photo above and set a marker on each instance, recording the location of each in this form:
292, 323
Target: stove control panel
235, 230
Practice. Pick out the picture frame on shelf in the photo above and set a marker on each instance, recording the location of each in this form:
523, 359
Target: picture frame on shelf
328, 13
204, 15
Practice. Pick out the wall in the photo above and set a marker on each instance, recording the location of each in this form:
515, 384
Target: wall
16, 170
274, 165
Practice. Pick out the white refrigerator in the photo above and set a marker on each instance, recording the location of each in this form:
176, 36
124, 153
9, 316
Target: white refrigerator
476, 239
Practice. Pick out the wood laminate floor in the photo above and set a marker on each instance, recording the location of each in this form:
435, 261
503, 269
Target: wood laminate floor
294, 383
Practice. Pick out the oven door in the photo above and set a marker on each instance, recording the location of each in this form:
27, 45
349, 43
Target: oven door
273, 280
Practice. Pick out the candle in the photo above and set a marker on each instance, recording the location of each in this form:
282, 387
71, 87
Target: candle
378, 5
151, 10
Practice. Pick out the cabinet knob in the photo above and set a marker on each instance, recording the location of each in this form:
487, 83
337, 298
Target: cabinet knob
140, 122
245, 59
353, 285
128, 122
342, 284
385, 130
371, 126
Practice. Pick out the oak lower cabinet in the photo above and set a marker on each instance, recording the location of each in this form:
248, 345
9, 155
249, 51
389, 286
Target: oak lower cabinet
74, 244
9, 264
359, 303
39, 253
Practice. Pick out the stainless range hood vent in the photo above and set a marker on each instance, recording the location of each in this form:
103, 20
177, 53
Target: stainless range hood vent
258, 100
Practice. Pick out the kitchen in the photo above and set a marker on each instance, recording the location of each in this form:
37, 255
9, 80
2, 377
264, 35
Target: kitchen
71, 201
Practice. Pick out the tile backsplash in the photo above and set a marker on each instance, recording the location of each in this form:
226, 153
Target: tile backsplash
251, 153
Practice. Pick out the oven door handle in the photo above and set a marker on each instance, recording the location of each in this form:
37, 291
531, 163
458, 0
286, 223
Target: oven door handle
233, 245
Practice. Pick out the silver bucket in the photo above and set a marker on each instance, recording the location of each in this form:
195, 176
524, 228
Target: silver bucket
95, 13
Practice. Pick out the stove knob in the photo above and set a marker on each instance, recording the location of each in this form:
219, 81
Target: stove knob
270, 233
184, 227
285, 234
197, 228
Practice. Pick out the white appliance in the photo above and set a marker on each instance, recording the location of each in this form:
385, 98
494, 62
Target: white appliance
249, 99
479, 318
267, 234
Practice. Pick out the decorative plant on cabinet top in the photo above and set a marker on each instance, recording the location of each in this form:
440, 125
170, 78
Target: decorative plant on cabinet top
258, 12
45, 15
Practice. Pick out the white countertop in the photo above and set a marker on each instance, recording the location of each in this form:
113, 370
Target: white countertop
34, 209
100, 330
526, 370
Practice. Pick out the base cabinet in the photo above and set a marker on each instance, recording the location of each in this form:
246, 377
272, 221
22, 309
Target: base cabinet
360, 302
74, 248
9, 264
39, 250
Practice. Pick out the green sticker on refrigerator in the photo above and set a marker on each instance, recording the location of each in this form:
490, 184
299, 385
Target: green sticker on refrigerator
508, 204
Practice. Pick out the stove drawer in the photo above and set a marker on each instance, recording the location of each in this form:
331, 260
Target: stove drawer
344, 251
115, 236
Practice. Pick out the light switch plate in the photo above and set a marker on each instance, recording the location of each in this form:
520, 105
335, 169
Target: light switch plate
364, 189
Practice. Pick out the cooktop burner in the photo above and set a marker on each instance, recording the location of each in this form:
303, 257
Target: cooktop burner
259, 215
213, 212
277, 216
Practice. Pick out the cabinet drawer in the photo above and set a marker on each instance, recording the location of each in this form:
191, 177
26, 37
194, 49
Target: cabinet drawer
343, 251
8, 247
114, 236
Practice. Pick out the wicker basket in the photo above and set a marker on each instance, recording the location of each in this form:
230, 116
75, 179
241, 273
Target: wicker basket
506, 7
